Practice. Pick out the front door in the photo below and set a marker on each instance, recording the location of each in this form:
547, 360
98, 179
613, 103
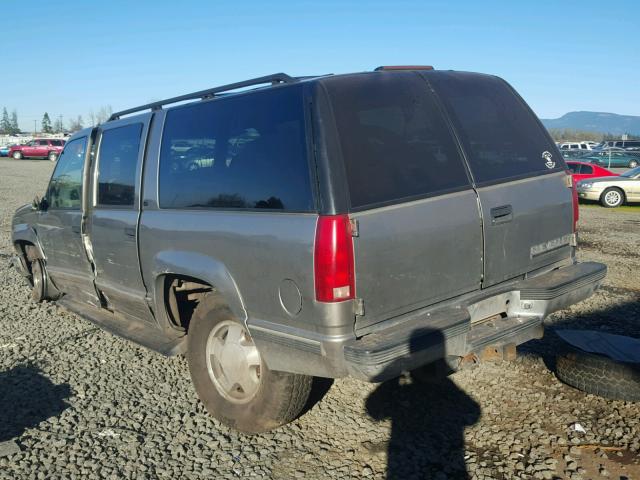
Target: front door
113, 220
59, 226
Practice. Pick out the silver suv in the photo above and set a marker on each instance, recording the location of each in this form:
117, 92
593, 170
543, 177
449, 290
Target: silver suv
283, 228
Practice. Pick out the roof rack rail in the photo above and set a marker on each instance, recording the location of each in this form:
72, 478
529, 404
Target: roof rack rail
384, 68
274, 79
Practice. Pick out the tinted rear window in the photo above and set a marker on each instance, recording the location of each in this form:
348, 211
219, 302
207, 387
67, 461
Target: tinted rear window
501, 136
242, 152
394, 141
117, 165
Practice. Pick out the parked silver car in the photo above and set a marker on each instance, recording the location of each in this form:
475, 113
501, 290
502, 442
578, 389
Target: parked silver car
612, 192
363, 224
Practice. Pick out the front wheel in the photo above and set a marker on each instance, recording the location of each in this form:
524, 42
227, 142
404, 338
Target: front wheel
612, 197
232, 379
38, 280
17, 155
633, 164
53, 156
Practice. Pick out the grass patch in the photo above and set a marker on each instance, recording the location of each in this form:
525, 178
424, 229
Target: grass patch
635, 208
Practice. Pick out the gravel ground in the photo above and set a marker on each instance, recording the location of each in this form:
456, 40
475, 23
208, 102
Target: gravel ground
81, 403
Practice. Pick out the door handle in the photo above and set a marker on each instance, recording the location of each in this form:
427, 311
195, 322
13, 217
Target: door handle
75, 228
130, 231
501, 214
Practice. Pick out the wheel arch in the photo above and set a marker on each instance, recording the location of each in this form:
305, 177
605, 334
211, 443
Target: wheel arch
193, 275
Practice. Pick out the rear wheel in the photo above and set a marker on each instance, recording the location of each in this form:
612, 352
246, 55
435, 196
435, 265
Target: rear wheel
230, 376
612, 197
53, 156
17, 155
633, 164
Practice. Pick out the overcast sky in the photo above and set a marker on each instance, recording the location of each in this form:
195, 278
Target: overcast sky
69, 57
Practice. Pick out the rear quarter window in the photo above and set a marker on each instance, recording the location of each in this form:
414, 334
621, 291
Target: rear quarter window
244, 152
395, 143
502, 138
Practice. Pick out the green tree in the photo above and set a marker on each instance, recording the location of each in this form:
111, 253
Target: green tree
46, 123
5, 123
14, 128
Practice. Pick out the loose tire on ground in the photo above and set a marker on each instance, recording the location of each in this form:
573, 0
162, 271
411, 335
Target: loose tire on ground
600, 375
279, 397
612, 197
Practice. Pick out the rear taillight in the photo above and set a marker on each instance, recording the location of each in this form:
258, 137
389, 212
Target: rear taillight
333, 259
574, 196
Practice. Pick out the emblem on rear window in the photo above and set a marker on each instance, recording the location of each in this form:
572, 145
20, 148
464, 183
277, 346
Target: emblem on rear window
549, 159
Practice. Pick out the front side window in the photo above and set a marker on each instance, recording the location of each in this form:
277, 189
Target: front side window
501, 136
65, 188
246, 152
117, 163
395, 144
574, 167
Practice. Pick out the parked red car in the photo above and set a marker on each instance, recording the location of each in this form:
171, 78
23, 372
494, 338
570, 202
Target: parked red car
582, 170
38, 148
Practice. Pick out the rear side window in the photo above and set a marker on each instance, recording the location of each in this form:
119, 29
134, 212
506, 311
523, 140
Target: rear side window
56, 143
501, 136
117, 163
394, 142
246, 152
586, 169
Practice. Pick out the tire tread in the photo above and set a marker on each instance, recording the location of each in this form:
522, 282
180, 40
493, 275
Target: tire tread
600, 375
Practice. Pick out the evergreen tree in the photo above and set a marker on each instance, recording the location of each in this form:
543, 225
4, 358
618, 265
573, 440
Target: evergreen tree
46, 124
5, 123
14, 128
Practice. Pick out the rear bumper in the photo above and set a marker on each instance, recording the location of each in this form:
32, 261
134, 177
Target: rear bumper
435, 335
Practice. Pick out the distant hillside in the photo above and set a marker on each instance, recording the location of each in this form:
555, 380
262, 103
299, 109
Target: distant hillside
596, 122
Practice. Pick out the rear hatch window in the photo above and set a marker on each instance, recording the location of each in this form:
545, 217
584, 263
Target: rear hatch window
500, 134
395, 143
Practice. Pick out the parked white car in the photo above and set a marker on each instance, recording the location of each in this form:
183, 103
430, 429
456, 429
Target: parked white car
575, 146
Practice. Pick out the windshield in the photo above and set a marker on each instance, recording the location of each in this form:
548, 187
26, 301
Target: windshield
634, 172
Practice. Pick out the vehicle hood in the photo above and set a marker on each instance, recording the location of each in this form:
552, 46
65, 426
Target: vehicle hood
605, 180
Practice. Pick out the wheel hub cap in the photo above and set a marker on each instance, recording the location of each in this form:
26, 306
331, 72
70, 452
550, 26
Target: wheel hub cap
612, 198
233, 362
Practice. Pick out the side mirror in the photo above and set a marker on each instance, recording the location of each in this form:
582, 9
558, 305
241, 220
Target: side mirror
40, 204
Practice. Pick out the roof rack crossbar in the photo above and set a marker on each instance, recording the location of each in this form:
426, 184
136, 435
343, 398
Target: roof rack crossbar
274, 79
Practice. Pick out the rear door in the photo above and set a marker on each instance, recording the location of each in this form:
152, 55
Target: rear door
113, 223
42, 149
527, 209
420, 237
